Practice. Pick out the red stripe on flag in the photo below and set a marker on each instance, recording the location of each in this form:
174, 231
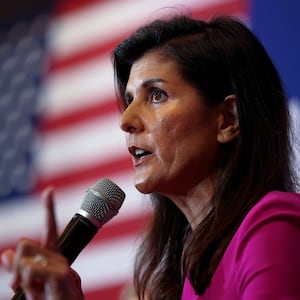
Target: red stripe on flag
63, 7
94, 172
98, 50
123, 163
234, 7
112, 292
110, 106
86, 113
132, 226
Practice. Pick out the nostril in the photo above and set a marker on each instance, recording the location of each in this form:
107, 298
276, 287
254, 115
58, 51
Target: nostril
127, 126
131, 123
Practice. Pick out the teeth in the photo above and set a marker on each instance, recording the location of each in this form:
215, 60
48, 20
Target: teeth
139, 152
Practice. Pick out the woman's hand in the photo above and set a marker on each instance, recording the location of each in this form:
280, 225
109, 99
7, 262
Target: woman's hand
39, 269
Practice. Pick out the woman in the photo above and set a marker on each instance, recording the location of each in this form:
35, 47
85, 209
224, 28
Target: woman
206, 125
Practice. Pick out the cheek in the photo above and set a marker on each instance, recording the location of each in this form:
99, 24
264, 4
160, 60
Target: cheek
172, 137
177, 127
167, 130
187, 138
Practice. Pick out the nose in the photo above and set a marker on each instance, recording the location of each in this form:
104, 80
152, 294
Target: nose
131, 120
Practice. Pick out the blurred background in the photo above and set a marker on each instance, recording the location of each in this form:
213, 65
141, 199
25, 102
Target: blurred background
59, 120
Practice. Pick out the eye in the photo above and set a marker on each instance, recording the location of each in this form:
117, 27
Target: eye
127, 100
157, 96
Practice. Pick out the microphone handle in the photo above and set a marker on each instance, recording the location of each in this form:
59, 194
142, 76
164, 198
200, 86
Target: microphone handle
19, 295
78, 233
75, 237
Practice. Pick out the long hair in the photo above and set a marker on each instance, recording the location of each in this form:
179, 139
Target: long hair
219, 58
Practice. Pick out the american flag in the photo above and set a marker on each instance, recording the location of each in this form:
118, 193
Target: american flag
59, 126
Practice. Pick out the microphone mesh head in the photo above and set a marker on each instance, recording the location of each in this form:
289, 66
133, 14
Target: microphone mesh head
103, 201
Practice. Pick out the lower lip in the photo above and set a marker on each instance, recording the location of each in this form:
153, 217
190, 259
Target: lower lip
139, 161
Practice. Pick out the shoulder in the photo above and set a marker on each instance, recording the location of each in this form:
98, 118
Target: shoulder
264, 252
268, 221
279, 199
275, 205
274, 218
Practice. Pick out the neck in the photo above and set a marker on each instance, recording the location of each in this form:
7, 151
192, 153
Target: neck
195, 203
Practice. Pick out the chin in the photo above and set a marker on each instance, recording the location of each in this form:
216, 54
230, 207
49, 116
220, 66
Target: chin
144, 187
148, 186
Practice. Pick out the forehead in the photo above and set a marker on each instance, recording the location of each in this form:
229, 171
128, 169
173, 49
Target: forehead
153, 64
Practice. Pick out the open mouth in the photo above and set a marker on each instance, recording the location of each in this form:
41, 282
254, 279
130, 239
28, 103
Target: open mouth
138, 153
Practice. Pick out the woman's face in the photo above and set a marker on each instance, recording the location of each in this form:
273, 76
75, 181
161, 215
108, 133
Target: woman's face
171, 134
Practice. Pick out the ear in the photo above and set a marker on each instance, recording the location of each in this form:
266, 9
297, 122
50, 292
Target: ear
228, 126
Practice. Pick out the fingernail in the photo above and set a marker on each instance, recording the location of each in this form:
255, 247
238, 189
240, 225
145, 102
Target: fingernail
47, 191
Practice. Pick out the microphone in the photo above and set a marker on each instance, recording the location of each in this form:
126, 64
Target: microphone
101, 203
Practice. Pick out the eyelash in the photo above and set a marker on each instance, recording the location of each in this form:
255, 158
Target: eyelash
127, 101
151, 97
154, 92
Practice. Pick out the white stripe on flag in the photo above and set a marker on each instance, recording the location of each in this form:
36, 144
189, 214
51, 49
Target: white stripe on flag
83, 144
101, 21
75, 87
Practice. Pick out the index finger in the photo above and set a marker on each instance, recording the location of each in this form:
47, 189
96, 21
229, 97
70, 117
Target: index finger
7, 258
50, 240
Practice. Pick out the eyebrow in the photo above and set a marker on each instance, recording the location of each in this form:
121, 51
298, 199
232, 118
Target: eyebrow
150, 81
145, 84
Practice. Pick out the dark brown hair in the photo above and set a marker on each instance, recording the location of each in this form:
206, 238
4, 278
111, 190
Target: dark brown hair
219, 57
